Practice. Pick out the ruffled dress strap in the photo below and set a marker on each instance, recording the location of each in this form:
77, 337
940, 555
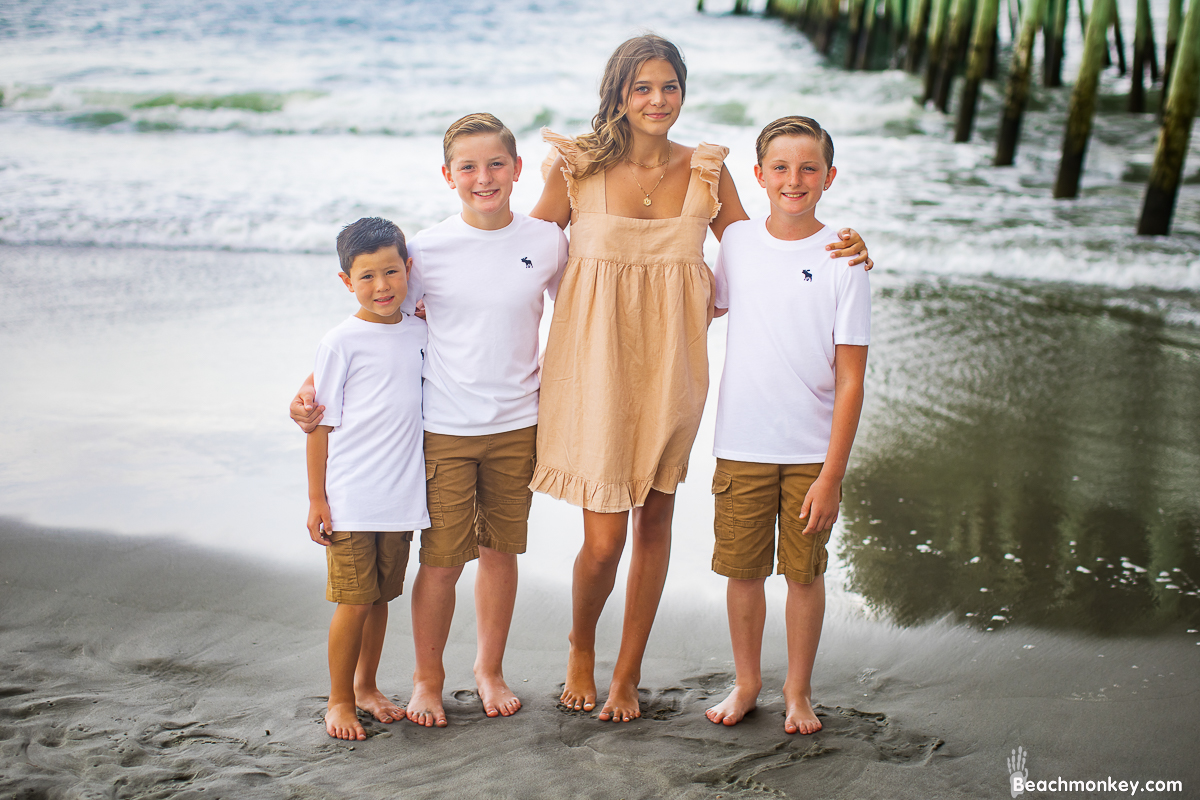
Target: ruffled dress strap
571, 154
707, 161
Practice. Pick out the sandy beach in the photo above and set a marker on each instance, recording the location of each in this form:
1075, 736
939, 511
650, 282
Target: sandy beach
146, 668
1017, 562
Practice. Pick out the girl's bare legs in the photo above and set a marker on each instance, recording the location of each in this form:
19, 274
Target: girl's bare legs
595, 574
647, 574
592, 582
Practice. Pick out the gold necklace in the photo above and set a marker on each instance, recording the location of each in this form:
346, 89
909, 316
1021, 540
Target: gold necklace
666, 160
647, 201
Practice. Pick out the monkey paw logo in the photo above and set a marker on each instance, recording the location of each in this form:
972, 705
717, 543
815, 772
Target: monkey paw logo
1017, 771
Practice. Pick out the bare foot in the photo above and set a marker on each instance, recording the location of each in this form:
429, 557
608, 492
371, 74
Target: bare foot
341, 722
622, 703
498, 699
376, 703
741, 701
579, 693
800, 715
425, 707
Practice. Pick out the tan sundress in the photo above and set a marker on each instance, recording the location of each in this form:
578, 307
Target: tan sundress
626, 369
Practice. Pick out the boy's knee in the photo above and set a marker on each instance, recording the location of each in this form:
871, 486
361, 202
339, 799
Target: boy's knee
816, 584
358, 609
491, 555
440, 574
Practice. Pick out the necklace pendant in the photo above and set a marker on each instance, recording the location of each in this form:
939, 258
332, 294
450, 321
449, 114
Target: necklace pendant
646, 202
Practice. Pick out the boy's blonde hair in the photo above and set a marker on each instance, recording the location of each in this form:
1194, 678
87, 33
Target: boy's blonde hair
610, 139
473, 125
795, 126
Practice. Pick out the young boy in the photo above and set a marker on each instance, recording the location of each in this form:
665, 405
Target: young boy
482, 275
787, 411
366, 470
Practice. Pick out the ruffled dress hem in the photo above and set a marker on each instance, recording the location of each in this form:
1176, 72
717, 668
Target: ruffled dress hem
605, 498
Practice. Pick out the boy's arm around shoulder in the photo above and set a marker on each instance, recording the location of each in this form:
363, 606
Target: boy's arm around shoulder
824, 497
320, 521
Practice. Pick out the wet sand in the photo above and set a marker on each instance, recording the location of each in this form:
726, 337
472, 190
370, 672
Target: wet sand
138, 667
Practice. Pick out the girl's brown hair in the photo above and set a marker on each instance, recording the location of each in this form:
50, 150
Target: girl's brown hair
610, 139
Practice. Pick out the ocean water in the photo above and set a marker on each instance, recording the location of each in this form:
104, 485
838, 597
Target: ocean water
172, 177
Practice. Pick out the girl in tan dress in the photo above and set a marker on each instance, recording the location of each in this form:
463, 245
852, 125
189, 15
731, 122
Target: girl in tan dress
626, 368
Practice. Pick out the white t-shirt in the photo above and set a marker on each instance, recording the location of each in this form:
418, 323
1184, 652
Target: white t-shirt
484, 295
368, 377
789, 305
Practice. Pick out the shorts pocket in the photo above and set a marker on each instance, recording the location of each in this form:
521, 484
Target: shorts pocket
722, 489
343, 562
433, 497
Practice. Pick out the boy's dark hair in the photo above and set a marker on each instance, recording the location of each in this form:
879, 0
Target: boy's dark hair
368, 235
473, 125
795, 126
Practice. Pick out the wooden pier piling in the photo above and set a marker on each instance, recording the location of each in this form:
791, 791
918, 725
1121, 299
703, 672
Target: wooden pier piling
1083, 100
952, 51
917, 35
1174, 23
1167, 170
1017, 92
1055, 33
866, 36
1142, 54
983, 38
937, 42
854, 26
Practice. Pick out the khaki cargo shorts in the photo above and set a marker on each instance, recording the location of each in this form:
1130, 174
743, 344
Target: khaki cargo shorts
366, 567
749, 498
478, 493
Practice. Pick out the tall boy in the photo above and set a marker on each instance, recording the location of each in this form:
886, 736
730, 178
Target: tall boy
366, 471
482, 275
787, 411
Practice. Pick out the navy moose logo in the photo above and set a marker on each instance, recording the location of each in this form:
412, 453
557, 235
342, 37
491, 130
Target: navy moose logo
807, 275
528, 263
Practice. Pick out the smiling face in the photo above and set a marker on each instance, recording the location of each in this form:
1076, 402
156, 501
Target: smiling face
794, 173
483, 171
654, 98
379, 281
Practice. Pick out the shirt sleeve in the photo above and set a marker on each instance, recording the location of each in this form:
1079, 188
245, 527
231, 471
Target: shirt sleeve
852, 321
722, 298
563, 247
329, 379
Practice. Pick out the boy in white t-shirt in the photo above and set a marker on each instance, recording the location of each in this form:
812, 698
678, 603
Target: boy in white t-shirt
787, 412
482, 276
366, 470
